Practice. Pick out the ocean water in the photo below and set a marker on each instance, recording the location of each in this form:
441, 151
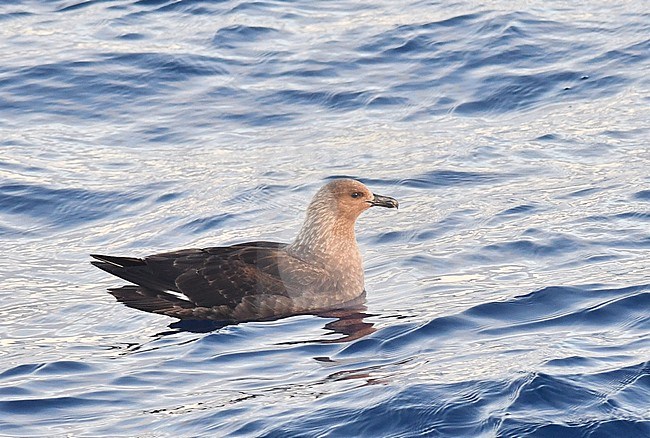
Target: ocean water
508, 297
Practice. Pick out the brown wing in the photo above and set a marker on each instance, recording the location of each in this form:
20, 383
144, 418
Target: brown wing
217, 276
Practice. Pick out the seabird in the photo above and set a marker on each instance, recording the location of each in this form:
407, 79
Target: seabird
321, 270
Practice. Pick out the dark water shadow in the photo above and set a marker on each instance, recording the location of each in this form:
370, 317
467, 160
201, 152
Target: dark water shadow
350, 324
347, 325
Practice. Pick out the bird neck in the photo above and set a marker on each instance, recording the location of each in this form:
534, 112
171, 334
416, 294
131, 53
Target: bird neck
325, 238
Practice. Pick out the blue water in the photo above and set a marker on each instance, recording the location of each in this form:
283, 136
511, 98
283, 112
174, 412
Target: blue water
509, 296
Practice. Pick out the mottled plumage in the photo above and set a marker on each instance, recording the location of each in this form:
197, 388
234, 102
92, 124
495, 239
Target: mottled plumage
321, 270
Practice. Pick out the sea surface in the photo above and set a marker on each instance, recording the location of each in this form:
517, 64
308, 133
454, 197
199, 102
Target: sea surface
508, 297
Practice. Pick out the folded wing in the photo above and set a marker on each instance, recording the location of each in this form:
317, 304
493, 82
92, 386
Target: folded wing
218, 276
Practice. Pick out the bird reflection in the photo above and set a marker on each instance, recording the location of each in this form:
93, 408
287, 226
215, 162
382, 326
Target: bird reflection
348, 325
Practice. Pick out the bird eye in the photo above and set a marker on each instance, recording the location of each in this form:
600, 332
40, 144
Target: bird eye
355, 195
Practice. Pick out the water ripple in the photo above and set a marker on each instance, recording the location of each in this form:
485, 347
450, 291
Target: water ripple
506, 297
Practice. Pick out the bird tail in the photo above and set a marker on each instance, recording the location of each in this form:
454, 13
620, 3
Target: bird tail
133, 270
